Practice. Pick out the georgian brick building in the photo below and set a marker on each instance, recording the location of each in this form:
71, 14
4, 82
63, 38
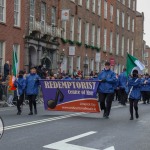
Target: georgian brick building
96, 31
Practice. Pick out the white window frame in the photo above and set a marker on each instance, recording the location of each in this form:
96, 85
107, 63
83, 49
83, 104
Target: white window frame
3, 11
133, 25
78, 65
117, 44
111, 42
2, 55
92, 65
105, 39
111, 12
87, 4
134, 5
17, 13
128, 45
99, 7
43, 16
132, 47
53, 15
123, 2
129, 23
105, 9
129, 3
146, 54
79, 30
93, 35
122, 46
32, 14
80, 2
70, 64
72, 28
123, 18
98, 36
118, 17
87, 33
97, 67
93, 6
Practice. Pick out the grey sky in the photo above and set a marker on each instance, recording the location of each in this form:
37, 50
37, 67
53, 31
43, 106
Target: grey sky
144, 6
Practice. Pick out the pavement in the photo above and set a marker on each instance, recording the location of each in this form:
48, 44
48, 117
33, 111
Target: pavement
50, 130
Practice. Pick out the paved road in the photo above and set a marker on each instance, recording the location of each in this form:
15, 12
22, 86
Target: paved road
85, 130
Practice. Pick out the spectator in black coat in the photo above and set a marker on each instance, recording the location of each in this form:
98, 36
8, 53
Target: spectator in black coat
6, 69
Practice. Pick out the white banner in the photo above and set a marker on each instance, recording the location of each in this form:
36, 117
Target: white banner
71, 50
97, 57
65, 14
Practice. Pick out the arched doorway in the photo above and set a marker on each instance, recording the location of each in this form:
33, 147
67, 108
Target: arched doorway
32, 57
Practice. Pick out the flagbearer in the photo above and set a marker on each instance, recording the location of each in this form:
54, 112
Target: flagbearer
106, 87
134, 93
32, 83
20, 84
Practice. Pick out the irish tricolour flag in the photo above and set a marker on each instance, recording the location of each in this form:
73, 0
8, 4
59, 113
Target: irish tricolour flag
134, 64
14, 70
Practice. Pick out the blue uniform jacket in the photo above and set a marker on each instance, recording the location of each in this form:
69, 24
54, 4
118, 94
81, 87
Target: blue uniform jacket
145, 87
20, 83
123, 79
110, 80
32, 83
136, 91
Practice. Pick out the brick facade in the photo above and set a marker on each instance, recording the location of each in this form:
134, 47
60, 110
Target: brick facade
41, 43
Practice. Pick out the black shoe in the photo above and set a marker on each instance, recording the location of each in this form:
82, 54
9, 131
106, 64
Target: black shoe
131, 118
19, 113
31, 113
35, 112
144, 102
137, 115
106, 117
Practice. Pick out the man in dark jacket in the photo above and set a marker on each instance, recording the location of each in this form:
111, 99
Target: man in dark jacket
6, 69
106, 87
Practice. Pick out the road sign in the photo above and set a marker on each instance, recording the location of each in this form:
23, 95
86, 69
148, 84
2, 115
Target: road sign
63, 145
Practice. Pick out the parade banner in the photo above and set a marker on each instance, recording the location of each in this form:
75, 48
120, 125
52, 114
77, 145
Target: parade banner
70, 95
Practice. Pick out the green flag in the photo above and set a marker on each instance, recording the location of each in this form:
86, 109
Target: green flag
15, 63
133, 63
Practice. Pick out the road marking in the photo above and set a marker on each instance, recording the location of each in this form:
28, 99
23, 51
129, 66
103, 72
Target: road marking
41, 121
63, 145
110, 148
